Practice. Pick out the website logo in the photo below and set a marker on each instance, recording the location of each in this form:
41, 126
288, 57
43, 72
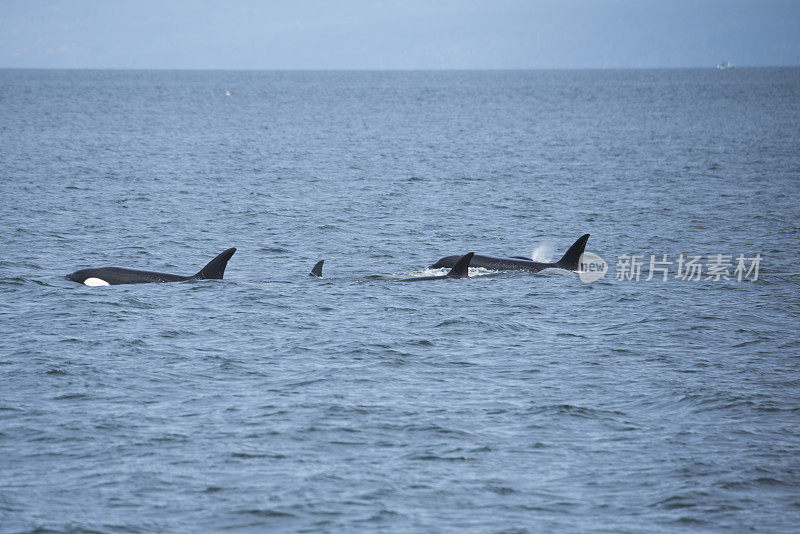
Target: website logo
592, 267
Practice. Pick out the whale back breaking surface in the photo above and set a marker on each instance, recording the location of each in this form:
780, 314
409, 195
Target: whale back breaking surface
570, 261
118, 275
460, 270
214, 270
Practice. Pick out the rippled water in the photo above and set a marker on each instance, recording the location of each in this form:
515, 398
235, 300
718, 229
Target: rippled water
508, 402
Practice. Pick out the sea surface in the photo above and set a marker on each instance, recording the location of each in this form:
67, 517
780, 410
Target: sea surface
509, 402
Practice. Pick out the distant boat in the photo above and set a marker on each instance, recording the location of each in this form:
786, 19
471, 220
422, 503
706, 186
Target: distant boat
725, 65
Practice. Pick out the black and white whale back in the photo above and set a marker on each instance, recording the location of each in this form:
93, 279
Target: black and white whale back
109, 276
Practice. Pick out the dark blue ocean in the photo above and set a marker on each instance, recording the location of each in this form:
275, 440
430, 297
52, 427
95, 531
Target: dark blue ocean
509, 402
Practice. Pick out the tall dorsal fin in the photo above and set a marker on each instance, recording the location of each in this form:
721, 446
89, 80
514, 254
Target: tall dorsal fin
571, 261
216, 267
461, 268
317, 270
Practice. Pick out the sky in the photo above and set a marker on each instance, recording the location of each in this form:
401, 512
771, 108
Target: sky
393, 34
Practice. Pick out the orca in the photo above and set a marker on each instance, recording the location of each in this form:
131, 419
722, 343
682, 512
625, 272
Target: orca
460, 270
570, 261
317, 270
110, 276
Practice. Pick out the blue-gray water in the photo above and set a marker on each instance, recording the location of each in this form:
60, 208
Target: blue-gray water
509, 402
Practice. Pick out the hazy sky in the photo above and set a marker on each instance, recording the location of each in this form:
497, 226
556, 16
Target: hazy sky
385, 34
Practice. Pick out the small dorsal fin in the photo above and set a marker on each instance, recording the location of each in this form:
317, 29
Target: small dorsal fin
572, 258
216, 267
461, 268
520, 258
317, 270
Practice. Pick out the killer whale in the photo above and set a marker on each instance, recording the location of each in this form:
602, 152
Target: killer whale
460, 270
110, 276
317, 270
570, 261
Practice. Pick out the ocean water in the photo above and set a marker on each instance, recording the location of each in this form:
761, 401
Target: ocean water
509, 402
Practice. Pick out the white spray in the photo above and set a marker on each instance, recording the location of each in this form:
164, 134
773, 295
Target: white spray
543, 253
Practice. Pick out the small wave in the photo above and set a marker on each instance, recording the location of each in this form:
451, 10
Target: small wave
572, 411
756, 483
267, 512
500, 489
174, 333
302, 383
437, 458
22, 280
773, 483
748, 343
71, 396
250, 455
474, 272
676, 502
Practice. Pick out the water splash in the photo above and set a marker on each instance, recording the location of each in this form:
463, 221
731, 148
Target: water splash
473, 272
543, 253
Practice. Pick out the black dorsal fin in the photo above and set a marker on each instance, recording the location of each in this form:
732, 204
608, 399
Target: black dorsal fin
461, 268
216, 267
317, 270
572, 259
520, 258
